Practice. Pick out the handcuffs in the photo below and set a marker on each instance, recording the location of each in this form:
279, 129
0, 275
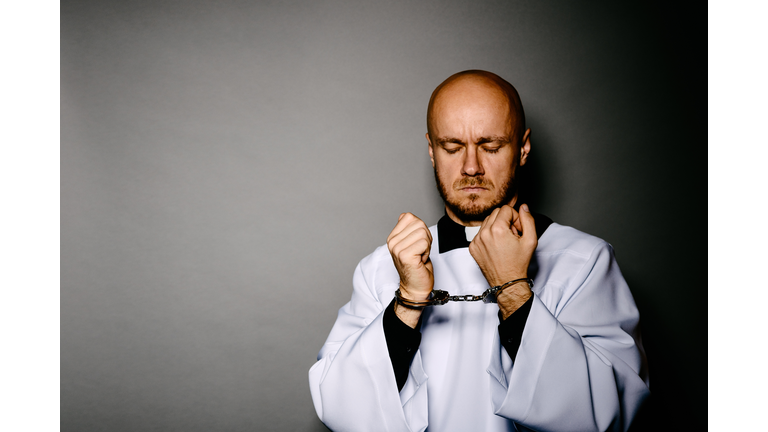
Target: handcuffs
440, 297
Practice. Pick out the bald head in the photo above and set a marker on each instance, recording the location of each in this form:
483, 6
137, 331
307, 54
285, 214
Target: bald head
479, 89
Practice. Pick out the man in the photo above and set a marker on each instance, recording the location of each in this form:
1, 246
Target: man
560, 352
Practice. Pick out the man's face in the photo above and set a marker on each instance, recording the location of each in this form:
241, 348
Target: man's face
475, 152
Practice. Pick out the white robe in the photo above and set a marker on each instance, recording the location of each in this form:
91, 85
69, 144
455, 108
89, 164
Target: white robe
580, 365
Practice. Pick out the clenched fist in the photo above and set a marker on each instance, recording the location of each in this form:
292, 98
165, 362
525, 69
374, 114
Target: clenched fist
409, 243
503, 249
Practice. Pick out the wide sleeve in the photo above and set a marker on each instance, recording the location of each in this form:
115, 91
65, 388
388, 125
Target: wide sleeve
580, 365
353, 384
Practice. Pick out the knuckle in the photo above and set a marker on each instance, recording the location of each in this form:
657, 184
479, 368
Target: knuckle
426, 233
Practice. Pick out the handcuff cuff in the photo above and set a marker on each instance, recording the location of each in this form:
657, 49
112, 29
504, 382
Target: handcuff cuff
440, 297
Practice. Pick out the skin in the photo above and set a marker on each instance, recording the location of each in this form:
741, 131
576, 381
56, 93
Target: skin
477, 141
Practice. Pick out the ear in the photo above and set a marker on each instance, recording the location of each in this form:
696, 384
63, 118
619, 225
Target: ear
526, 147
431, 154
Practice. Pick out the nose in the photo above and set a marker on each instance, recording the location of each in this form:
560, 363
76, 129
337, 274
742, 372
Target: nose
472, 166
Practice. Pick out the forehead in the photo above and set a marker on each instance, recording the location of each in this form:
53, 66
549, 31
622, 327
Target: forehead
472, 107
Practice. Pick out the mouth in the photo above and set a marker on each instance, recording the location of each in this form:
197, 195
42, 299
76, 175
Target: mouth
473, 189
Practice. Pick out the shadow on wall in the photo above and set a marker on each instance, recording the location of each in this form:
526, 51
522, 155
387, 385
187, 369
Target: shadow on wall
534, 178
318, 427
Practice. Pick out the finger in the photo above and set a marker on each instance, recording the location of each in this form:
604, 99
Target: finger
491, 218
415, 225
529, 225
504, 218
485, 222
516, 223
411, 236
403, 223
398, 226
416, 246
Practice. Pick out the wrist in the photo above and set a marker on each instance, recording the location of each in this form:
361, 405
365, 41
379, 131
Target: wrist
511, 298
501, 279
407, 315
415, 295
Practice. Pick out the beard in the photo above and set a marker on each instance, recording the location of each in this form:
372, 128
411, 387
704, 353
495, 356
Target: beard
471, 209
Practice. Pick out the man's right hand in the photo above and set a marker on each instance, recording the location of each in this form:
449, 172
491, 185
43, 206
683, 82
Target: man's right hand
409, 243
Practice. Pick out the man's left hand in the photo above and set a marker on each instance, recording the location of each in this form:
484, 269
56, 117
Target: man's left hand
503, 249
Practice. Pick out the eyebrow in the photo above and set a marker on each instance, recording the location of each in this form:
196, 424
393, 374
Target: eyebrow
481, 140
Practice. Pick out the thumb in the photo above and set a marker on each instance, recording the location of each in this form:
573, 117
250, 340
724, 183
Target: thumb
529, 226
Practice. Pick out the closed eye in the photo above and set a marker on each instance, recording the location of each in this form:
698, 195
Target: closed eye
492, 144
451, 147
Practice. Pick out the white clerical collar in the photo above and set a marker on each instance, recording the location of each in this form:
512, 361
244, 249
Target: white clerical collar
471, 232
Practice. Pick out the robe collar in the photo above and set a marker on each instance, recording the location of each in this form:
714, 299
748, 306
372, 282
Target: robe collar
451, 235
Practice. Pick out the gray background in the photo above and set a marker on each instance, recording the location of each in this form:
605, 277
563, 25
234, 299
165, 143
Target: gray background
225, 165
